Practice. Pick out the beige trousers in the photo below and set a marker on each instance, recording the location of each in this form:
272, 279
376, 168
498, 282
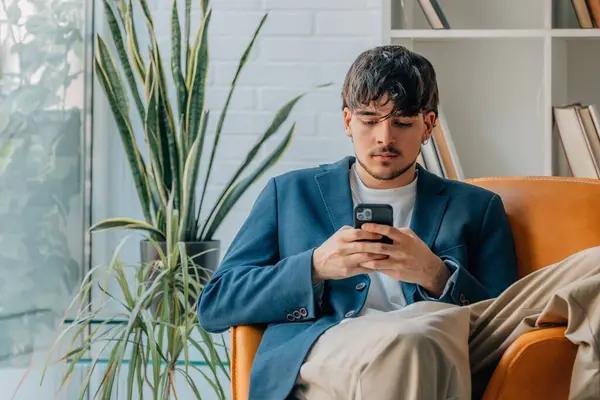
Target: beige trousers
430, 350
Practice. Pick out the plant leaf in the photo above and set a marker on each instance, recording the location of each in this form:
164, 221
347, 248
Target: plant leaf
188, 11
148, 16
241, 64
152, 129
214, 357
197, 83
238, 189
125, 223
279, 118
156, 359
204, 6
111, 82
176, 60
190, 177
133, 366
190, 382
132, 41
168, 131
117, 37
167, 124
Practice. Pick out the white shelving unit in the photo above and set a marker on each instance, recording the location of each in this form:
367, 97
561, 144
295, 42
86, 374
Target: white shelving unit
501, 67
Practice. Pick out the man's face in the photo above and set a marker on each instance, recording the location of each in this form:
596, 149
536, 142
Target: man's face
386, 148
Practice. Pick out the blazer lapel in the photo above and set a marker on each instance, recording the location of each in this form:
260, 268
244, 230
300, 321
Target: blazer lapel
429, 209
334, 185
430, 206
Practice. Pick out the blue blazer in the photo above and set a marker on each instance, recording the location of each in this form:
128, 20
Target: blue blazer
266, 274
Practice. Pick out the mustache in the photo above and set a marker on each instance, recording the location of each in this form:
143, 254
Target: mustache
385, 149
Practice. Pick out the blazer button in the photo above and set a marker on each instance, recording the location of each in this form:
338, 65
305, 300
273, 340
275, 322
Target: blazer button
290, 317
463, 300
296, 314
349, 313
361, 286
303, 312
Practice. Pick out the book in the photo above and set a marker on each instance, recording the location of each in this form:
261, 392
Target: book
583, 14
575, 141
439, 154
592, 134
594, 8
434, 14
446, 149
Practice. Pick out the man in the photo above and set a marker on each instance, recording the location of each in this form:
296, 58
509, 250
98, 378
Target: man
346, 316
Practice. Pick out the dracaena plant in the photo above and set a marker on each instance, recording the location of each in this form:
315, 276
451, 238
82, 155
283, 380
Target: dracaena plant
175, 132
152, 335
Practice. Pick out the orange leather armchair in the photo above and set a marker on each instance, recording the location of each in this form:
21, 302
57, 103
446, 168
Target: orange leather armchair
551, 218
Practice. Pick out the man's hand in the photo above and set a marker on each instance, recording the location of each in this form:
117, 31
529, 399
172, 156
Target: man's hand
340, 256
409, 259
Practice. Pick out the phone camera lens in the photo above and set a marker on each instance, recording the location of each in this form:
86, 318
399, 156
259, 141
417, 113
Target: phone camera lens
367, 214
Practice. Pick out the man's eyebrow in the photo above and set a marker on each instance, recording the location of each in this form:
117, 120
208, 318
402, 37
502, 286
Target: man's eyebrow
366, 113
397, 114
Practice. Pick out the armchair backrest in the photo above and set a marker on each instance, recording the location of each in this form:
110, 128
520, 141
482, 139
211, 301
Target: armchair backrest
550, 217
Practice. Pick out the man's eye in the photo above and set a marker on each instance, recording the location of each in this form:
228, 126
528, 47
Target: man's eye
369, 122
403, 124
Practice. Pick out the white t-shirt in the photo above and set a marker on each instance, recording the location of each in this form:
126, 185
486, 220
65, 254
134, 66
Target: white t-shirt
385, 293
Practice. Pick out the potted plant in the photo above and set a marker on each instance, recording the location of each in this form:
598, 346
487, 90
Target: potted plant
152, 346
176, 132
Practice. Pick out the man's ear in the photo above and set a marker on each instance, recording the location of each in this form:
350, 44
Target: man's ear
430, 120
347, 119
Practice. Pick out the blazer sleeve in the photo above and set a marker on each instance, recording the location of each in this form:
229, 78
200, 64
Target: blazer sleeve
494, 264
252, 284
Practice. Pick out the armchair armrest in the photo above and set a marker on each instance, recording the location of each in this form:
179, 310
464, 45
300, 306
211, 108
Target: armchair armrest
244, 344
538, 365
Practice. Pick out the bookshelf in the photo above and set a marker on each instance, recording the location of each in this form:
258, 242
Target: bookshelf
501, 68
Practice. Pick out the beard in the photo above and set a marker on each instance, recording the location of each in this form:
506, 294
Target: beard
390, 175
393, 174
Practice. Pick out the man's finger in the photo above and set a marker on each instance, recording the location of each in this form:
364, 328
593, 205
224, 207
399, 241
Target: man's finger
385, 230
379, 265
408, 232
348, 248
358, 258
352, 235
376, 248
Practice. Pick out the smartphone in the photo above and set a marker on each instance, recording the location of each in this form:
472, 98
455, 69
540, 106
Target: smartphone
374, 213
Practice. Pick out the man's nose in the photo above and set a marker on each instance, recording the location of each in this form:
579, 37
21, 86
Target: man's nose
384, 133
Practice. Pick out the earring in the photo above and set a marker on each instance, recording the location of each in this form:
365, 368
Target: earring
425, 141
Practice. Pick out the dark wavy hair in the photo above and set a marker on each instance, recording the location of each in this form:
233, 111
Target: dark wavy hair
408, 79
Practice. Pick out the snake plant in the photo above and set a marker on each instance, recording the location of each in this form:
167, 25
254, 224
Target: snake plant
175, 133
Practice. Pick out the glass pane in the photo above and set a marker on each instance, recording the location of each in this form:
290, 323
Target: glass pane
41, 175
